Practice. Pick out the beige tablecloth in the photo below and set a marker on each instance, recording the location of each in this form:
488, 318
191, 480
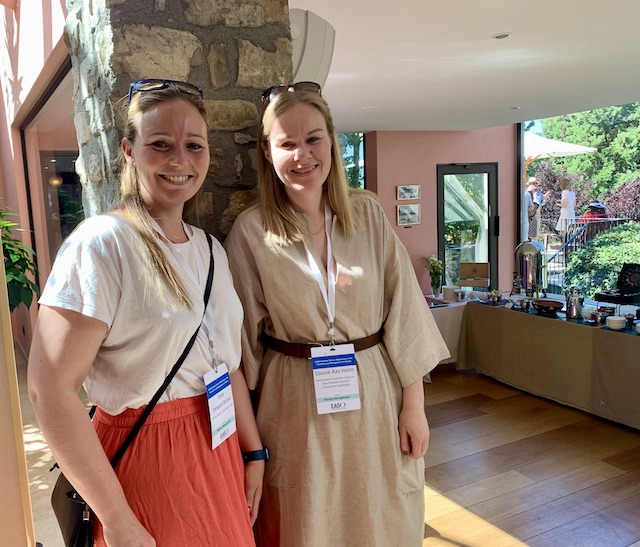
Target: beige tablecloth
590, 368
449, 321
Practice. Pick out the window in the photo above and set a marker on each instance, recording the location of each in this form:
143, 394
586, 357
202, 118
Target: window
352, 146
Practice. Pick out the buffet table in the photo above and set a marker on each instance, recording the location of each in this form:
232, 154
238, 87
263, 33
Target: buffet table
449, 321
588, 367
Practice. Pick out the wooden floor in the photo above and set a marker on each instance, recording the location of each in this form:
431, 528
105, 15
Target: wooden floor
507, 468
504, 468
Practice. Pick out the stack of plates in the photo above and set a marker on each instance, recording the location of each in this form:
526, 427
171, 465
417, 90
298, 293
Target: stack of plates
616, 322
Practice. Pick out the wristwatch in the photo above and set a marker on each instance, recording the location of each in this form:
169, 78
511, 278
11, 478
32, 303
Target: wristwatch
256, 455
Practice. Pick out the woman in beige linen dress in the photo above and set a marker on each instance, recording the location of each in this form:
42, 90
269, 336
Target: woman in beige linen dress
350, 478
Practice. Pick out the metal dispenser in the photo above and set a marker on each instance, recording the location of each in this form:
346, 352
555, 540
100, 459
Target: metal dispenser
531, 267
574, 303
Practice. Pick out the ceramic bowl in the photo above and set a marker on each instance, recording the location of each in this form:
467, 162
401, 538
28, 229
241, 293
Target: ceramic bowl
484, 296
600, 317
547, 307
616, 322
638, 328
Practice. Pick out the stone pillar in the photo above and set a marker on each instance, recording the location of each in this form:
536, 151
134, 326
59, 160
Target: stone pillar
232, 49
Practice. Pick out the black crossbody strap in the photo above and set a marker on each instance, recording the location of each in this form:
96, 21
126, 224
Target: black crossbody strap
145, 414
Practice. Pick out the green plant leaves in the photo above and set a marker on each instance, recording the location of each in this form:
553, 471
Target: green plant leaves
596, 265
19, 260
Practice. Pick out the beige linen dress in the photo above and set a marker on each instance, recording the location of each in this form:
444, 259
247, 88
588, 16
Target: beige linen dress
335, 479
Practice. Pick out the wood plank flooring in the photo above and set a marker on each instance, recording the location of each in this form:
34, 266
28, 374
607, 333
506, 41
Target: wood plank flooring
506, 468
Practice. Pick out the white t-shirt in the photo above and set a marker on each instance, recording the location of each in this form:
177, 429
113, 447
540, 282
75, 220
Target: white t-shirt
98, 273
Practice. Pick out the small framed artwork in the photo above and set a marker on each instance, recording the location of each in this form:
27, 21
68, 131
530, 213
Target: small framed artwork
408, 214
411, 191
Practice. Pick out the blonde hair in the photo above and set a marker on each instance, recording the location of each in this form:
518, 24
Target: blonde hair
156, 265
565, 184
281, 223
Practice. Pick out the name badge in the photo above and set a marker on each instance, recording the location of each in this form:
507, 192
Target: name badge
335, 377
222, 415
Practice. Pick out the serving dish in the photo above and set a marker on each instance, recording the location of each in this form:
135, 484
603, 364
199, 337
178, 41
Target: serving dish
547, 307
587, 313
515, 300
435, 302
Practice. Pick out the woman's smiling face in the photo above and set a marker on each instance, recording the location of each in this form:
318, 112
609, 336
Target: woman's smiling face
299, 148
170, 154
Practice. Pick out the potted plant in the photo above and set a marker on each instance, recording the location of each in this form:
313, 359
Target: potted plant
18, 264
436, 269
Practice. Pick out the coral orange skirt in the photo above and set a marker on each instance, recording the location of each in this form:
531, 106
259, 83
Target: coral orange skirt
183, 492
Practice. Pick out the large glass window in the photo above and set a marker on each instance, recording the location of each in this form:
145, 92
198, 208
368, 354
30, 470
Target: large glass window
352, 145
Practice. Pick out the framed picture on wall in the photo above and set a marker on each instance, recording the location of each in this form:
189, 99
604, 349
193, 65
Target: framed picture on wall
408, 214
410, 191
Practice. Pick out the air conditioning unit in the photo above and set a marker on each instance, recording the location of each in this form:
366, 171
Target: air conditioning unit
313, 39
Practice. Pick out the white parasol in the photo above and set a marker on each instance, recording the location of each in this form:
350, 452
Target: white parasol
537, 147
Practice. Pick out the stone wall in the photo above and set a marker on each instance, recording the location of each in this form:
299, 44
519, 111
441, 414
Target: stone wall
233, 49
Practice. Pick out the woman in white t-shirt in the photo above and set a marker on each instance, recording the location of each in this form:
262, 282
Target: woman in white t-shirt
123, 299
567, 207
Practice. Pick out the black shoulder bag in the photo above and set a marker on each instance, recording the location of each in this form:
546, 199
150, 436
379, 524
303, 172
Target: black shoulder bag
73, 514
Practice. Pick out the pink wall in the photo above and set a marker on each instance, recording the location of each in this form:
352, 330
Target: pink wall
30, 55
411, 157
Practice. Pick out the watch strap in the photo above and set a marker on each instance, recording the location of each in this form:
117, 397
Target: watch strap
254, 455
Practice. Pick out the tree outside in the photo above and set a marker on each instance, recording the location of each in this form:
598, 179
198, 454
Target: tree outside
596, 265
353, 157
615, 132
610, 175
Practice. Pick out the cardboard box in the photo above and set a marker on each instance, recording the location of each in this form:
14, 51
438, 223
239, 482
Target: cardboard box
474, 274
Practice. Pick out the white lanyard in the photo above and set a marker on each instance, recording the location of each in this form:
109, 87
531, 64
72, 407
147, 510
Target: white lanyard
198, 277
328, 292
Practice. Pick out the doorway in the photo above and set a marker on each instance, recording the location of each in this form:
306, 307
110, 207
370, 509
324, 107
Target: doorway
468, 221
54, 188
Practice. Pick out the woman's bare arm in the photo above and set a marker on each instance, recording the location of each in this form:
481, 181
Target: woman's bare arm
64, 347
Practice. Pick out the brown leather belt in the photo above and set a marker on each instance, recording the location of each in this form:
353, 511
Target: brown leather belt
304, 350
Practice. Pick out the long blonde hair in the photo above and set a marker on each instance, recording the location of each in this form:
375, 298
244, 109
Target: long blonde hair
281, 223
156, 265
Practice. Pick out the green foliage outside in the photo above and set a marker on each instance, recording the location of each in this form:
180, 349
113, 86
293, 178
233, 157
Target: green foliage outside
457, 232
596, 265
475, 186
614, 131
351, 144
19, 263
460, 236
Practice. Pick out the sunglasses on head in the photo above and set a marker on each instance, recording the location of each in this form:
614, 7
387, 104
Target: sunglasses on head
275, 90
155, 84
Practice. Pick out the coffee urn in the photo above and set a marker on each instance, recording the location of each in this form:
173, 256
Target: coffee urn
574, 303
531, 266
